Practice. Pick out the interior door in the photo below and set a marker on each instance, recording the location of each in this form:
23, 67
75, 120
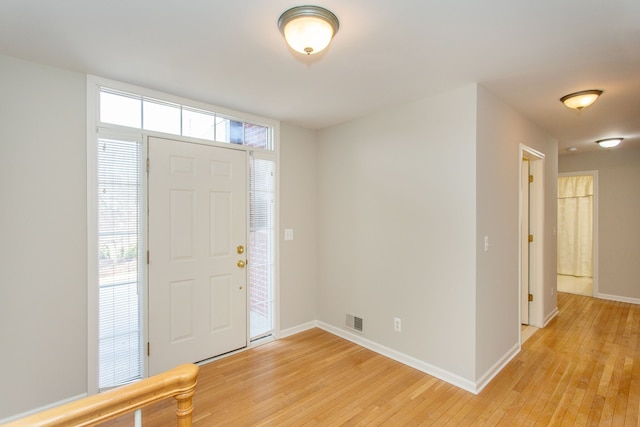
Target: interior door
197, 235
524, 239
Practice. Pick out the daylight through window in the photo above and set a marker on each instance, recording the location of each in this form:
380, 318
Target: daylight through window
129, 110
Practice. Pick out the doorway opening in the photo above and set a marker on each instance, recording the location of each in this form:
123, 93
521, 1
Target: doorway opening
577, 195
531, 238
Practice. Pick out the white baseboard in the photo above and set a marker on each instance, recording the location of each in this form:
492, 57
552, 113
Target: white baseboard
550, 317
618, 298
297, 329
42, 408
427, 368
496, 368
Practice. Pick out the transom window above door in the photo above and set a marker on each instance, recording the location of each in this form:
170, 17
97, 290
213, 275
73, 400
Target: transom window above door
140, 112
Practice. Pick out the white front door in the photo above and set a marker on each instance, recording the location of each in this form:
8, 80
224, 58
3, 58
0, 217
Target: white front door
197, 240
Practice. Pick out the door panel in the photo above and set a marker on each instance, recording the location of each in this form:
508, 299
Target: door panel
220, 291
220, 224
182, 224
197, 218
181, 300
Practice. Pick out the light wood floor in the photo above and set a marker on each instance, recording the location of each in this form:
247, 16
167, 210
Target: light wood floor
582, 369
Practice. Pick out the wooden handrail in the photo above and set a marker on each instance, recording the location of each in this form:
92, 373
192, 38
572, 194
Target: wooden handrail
179, 382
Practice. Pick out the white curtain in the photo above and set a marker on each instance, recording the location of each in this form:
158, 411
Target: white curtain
575, 225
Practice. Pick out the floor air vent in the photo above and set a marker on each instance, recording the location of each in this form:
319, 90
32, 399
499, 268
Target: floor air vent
355, 323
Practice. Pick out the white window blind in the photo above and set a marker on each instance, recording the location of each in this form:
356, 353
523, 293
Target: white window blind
120, 266
261, 246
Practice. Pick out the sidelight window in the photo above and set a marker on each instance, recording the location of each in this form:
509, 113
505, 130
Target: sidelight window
261, 246
119, 261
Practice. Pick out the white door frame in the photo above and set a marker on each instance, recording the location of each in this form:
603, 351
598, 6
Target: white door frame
524, 242
594, 174
93, 124
536, 249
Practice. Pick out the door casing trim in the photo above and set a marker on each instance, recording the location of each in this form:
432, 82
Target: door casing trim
536, 250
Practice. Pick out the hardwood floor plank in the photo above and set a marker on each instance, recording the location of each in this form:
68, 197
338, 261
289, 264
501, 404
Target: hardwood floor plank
632, 415
582, 369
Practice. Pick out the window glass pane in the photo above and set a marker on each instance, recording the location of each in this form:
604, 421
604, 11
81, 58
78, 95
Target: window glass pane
198, 124
261, 246
229, 131
256, 136
236, 132
222, 129
161, 117
119, 260
120, 109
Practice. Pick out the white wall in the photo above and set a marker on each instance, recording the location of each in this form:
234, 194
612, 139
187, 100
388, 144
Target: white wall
43, 255
384, 210
501, 130
43, 291
397, 228
406, 197
618, 213
298, 211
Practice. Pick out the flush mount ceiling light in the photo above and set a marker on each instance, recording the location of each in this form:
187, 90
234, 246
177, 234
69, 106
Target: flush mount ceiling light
308, 29
609, 142
579, 100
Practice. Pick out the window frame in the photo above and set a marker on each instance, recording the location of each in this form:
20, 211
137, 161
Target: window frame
95, 129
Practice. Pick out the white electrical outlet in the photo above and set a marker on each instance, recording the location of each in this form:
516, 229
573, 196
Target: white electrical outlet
397, 324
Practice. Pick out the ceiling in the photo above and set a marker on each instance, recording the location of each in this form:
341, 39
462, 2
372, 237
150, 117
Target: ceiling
230, 53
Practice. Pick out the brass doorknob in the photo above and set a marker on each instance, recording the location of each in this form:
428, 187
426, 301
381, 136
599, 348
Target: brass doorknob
240, 249
241, 263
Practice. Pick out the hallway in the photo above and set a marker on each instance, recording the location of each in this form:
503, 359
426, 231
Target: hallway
575, 285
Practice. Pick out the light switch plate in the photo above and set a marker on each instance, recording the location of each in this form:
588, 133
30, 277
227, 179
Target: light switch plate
288, 234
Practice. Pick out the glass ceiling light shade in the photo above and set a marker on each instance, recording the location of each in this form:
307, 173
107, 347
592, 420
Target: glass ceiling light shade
609, 142
308, 29
579, 100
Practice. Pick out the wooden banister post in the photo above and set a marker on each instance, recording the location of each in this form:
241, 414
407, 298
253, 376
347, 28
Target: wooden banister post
184, 411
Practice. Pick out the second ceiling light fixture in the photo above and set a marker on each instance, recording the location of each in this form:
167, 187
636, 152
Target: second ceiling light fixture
579, 100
